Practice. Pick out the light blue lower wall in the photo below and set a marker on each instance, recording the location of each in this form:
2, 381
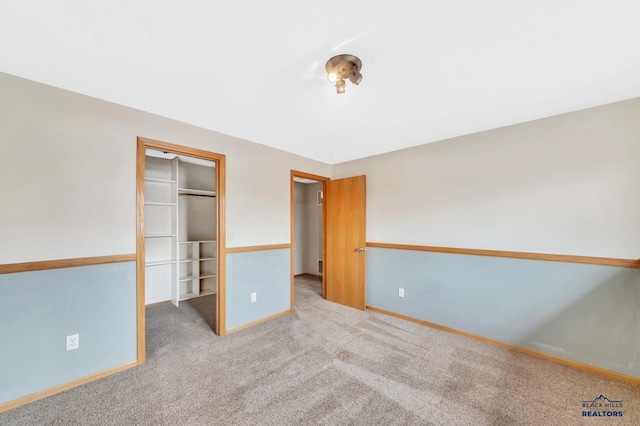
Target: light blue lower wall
585, 313
265, 272
39, 309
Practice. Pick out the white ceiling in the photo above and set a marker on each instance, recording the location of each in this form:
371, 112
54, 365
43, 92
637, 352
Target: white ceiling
255, 68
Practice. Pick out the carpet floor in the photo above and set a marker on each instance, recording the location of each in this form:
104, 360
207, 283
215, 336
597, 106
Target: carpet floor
326, 364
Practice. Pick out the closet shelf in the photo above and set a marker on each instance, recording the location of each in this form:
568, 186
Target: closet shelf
159, 235
187, 296
156, 180
202, 192
197, 241
191, 259
159, 204
196, 277
160, 262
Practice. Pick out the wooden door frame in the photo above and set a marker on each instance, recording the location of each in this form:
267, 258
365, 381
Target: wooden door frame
323, 179
220, 160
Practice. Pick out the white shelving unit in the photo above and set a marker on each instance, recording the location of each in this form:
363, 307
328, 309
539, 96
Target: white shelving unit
197, 231
197, 268
180, 229
161, 227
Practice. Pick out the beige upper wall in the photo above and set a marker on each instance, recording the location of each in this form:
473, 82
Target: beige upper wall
69, 168
568, 184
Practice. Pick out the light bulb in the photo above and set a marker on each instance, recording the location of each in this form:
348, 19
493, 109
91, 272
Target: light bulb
332, 77
340, 86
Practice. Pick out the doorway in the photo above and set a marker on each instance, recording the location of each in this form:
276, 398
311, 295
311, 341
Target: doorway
307, 229
180, 230
343, 238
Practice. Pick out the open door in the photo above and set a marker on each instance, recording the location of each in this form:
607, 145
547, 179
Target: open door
345, 239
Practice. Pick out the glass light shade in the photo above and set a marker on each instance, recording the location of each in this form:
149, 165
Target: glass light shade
356, 78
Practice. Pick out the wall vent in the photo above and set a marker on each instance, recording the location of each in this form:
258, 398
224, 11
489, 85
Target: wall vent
320, 266
320, 198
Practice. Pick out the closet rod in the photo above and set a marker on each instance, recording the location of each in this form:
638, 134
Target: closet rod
199, 195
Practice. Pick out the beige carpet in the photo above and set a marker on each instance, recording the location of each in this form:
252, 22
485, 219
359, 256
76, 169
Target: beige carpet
326, 365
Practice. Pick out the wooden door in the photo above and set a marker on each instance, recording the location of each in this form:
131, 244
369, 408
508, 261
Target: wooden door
345, 221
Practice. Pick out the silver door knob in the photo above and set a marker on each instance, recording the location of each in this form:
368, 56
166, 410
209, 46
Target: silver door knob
360, 249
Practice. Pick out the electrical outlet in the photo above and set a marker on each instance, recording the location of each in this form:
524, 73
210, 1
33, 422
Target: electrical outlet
401, 292
253, 297
73, 342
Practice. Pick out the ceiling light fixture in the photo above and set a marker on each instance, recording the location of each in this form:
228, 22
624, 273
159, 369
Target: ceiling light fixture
342, 67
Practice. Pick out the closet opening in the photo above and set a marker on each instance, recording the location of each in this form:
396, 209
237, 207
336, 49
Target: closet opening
180, 233
307, 233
